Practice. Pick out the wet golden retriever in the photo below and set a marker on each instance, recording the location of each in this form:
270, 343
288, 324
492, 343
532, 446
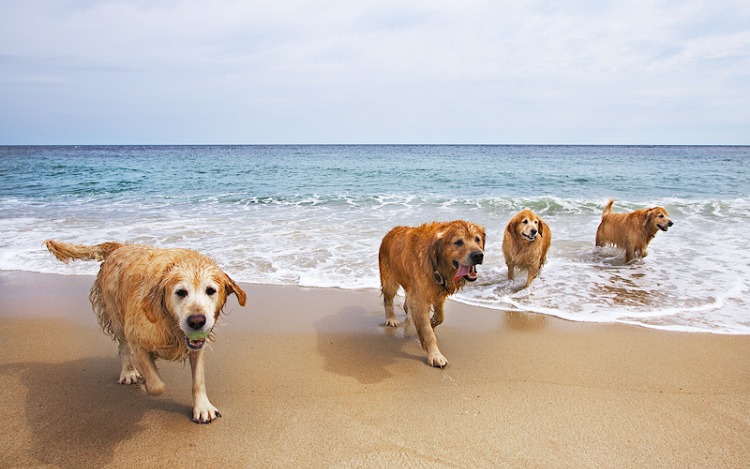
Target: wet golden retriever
430, 262
525, 243
156, 303
631, 231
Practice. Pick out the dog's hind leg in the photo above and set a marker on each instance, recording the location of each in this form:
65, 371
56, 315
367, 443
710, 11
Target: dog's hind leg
154, 384
389, 292
629, 255
129, 373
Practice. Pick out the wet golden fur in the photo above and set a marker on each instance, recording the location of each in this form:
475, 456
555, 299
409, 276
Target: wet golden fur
525, 243
149, 299
631, 231
425, 261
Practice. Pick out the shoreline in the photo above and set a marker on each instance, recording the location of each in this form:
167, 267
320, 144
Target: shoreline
9, 274
311, 376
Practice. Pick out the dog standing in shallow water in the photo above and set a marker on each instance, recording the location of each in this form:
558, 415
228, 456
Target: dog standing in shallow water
525, 243
156, 303
430, 262
631, 231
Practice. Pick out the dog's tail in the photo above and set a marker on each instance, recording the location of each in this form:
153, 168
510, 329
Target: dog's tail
67, 251
608, 208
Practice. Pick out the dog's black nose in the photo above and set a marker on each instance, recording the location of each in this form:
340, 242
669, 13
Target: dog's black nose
477, 257
533, 232
670, 223
196, 321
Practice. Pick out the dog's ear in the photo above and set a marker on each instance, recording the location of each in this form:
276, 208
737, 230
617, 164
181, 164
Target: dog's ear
512, 225
482, 234
153, 303
436, 249
231, 287
649, 216
541, 227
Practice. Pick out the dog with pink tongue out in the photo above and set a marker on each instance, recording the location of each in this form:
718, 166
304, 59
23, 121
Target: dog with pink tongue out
430, 262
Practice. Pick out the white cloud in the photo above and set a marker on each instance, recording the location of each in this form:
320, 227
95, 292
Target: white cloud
386, 71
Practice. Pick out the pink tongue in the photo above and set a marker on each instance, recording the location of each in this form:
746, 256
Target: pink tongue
462, 271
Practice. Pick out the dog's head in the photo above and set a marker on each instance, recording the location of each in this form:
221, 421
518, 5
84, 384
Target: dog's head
657, 218
192, 294
526, 225
458, 249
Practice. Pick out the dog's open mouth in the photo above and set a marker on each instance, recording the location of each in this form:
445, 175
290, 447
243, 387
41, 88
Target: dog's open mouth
529, 237
663, 227
195, 344
467, 272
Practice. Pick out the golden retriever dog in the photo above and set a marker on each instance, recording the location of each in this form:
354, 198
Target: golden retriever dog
631, 231
430, 262
525, 243
156, 303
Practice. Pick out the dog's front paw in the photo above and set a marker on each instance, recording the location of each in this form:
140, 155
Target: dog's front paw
205, 413
130, 377
437, 360
392, 322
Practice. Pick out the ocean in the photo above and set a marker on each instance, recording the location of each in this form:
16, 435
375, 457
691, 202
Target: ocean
314, 215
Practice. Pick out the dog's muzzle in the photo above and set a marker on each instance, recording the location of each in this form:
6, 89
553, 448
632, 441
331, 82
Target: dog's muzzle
194, 344
665, 228
469, 272
195, 339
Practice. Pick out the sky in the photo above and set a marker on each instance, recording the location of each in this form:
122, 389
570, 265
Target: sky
374, 71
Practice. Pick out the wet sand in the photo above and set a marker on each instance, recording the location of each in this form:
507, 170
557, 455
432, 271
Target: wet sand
311, 377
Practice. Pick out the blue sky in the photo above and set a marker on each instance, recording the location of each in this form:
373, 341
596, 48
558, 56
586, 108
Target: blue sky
374, 71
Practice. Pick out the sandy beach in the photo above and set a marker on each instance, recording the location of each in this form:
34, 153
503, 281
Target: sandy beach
312, 378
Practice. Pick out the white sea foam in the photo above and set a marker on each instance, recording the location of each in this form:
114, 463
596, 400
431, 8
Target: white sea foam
314, 216
695, 278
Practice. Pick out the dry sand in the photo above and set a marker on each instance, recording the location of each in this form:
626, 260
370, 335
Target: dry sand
311, 378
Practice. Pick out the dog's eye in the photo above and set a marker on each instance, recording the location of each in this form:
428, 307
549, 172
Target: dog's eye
210, 291
459, 242
661, 215
526, 222
477, 239
182, 293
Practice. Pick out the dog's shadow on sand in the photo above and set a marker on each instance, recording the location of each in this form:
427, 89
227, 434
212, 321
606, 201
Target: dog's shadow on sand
356, 343
77, 413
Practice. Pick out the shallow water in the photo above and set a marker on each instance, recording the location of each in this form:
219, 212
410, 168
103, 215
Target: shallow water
314, 216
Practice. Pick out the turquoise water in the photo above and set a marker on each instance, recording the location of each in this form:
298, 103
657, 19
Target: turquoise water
314, 216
